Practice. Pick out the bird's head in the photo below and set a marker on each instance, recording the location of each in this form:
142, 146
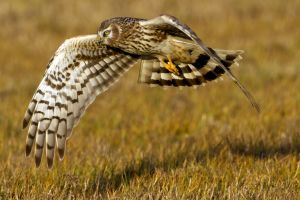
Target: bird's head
115, 32
110, 31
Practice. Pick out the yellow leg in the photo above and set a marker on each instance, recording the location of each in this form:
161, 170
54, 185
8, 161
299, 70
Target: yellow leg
170, 65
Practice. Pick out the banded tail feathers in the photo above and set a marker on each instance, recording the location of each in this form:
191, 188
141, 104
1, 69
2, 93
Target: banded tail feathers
203, 70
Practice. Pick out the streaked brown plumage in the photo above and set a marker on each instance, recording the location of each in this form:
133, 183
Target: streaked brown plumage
85, 66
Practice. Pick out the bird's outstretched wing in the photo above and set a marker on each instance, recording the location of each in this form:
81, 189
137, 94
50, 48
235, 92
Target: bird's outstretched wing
80, 70
163, 20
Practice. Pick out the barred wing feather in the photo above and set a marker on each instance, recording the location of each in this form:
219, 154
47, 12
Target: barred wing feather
80, 70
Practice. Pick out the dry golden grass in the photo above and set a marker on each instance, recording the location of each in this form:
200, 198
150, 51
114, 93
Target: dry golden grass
137, 142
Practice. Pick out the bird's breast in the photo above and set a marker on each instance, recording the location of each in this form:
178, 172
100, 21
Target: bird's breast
142, 41
152, 42
179, 49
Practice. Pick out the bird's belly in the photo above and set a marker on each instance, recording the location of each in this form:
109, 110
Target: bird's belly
180, 50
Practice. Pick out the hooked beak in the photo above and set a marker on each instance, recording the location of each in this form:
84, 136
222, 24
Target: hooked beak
99, 38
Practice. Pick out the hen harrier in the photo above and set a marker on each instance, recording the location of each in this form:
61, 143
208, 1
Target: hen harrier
85, 66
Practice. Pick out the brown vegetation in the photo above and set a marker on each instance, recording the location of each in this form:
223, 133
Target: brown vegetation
138, 142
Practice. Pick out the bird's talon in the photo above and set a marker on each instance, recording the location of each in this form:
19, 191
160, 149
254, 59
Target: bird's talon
171, 66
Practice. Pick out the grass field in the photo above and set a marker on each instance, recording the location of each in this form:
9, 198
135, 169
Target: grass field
137, 142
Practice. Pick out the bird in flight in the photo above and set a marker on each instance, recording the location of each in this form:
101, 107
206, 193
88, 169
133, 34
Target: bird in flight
171, 54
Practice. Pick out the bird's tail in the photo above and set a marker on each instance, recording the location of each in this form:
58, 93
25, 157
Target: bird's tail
203, 70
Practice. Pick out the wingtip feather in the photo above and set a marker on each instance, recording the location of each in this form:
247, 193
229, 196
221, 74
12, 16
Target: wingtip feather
24, 124
50, 162
37, 161
28, 150
61, 153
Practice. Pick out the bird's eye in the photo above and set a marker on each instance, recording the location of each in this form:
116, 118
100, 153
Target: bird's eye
106, 33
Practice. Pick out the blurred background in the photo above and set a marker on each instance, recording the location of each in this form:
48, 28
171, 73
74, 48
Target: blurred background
131, 122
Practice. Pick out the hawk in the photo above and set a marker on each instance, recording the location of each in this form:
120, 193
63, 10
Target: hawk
85, 66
